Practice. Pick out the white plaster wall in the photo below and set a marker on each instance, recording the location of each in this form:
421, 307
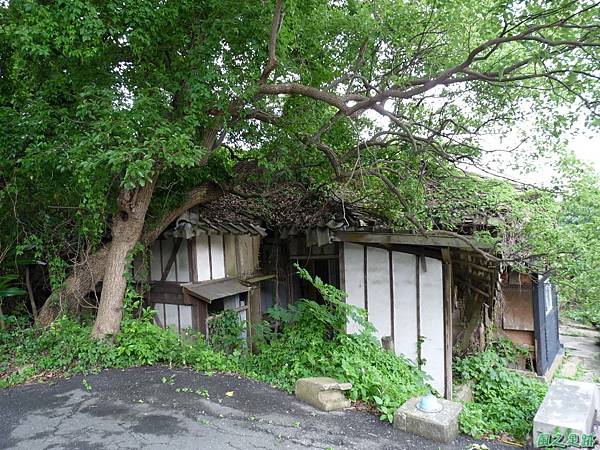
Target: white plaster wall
217, 256
185, 317
354, 279
183, 265
432, 322
404, 267
202, 258
167, 248
378, 291
160, 314
172, 320
155, 264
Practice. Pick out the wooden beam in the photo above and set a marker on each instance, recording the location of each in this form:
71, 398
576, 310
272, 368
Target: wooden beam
171, 259
476, 266
404, 239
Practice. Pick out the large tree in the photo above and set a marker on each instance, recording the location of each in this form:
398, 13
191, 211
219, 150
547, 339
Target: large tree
105, 103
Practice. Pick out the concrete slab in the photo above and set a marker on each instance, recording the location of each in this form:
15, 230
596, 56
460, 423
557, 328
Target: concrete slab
441, 426
323, 393
569, 406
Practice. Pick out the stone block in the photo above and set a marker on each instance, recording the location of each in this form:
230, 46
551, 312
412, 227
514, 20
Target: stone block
440, 426
323, 393
569, 406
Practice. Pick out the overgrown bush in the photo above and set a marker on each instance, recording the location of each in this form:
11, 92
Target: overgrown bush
225, 331
66, 347
313, 342
505, 401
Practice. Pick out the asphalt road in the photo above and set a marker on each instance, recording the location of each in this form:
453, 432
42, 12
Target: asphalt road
160, 408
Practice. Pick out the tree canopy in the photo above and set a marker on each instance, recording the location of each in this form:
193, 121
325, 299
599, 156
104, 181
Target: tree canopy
112, 108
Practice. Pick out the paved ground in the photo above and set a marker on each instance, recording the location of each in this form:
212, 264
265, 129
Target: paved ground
582, 345
582, 359
159, 408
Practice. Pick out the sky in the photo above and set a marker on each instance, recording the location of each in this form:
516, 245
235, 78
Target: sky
584, 143
587, 148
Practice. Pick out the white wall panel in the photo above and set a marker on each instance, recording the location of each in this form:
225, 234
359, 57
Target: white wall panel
405, 304
155, 265
183, 265
185, 317
167, 249
432, 322
202, 258
216, 254
159, 318
354, 278
378, 291
172, 316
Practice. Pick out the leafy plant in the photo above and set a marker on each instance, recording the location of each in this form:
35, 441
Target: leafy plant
313, 342
226, 332
504, 401
66, 347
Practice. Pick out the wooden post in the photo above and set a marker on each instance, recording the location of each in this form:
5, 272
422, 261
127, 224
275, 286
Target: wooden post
448, 288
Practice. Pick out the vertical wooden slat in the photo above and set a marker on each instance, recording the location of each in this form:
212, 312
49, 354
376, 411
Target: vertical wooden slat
448, 320
342, 268
365, 279
210, 262
191, 246
392, 309
202, 310
231, 259
255, 314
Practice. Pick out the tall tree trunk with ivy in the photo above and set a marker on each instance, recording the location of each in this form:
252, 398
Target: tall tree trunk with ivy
127, 226
91, 270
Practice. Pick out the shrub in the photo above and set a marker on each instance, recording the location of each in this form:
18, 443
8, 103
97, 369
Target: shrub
225, 331
504, 401
66, 347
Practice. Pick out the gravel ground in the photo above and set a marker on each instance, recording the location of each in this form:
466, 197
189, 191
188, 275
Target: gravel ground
158, 407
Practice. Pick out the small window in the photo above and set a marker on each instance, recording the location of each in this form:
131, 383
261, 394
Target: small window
176, 317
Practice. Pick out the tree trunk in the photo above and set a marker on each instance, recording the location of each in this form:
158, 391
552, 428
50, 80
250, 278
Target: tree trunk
87, 274
84, 278
34, 310
127, 227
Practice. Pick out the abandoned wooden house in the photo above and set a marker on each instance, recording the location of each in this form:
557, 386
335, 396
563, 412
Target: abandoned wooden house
424, 295
498, 300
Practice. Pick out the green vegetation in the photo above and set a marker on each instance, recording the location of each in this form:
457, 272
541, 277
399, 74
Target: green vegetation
311, 343
504, 401
66, 348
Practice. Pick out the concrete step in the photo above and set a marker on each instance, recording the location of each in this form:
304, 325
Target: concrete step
570, 407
